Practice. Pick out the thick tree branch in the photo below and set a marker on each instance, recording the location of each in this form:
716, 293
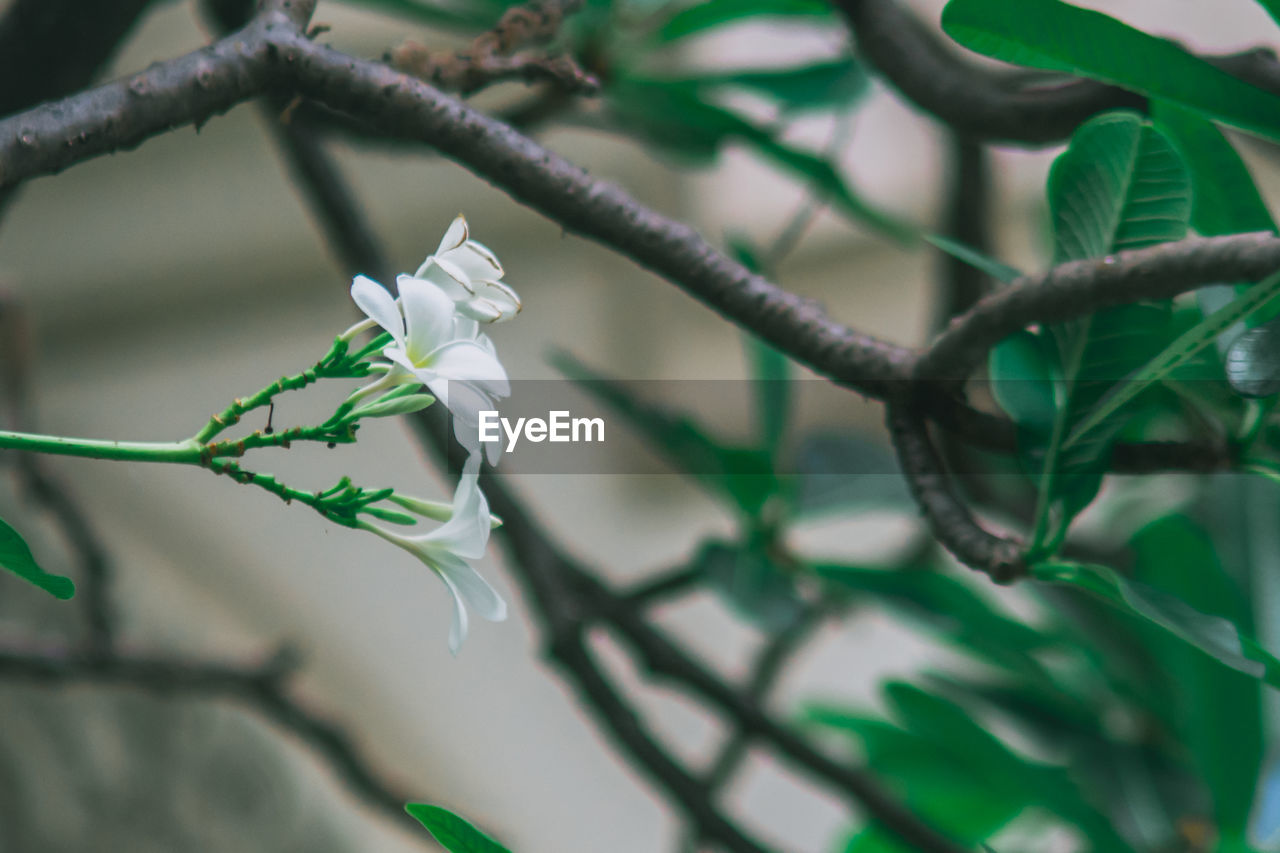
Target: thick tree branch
1077, 288
952, 523
981, 103
974, 100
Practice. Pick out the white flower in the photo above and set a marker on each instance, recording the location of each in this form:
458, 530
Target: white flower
446, 550
471, 275
431, 344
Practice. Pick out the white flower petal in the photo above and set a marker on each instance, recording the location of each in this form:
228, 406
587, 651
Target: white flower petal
458, 628
455, 236
379, 305
476, 592
468, 361
428, 315
475, 260
466, 533
481, 310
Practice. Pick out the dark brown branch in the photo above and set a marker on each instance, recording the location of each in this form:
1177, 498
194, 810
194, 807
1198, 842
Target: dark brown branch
950, 520
980, 103
1077, 288
262, 689
973, 100
967, 219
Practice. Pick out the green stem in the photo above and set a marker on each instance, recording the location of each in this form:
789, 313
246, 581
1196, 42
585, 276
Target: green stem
183, 452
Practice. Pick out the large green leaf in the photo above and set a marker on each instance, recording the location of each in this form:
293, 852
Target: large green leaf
708, 14
1119, 185
676, 117
1214, 635
1060, 37
454, 834
1218, 711
16, 556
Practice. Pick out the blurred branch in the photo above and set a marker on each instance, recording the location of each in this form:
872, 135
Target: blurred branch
966, 219
492, 57
981, 103
263, 689
53, 496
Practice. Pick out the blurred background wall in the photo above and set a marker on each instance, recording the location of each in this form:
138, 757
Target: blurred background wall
164, 282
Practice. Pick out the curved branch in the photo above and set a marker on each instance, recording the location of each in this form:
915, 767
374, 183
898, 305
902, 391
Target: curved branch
1077, 288
981, 103
975, 101
952, 523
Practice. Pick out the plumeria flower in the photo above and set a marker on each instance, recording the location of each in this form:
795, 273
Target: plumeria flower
431, 344
471, 275
446, 549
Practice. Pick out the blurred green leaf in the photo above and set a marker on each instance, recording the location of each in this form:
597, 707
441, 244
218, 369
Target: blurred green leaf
675, 117
984, 263
16, 556
1214, 635
1023, 372
702, 16
744, 475
454, 834
752, 583
770, 369
839, 470
1057, 36
1272, 7
949, 608
820, 86
1219, 712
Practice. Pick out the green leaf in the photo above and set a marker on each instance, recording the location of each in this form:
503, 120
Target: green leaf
770, 369
948, 608
1057, 36
1272, 7
1218, 712
453, 833
752, 583
744, 475
821, 86
15, 556
1251, 368
984, 263
1022, 370
707, 15
1213, 635
1119, 185
675, 117
839, 470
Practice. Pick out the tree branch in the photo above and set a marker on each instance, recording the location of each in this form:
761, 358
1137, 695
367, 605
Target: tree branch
980, 103
1077, 288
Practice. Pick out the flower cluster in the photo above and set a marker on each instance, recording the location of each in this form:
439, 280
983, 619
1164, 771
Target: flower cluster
436, 341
